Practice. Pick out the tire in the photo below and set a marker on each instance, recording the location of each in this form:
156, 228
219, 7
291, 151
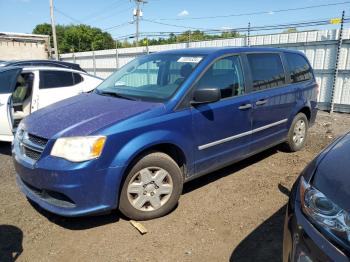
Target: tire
141, 196
297, 133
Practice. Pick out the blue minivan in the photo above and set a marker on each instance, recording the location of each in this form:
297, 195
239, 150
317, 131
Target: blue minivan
161, 120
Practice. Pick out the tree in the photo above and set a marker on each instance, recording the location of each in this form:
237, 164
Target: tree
77, 38
230, 34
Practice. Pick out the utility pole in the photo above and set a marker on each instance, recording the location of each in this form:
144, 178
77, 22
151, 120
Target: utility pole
53, 29
116, 55
336, 70
137, 14
189, 38
248, 34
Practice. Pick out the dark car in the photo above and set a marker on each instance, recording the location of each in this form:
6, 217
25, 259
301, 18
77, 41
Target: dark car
159, 121
317, 222
46, 63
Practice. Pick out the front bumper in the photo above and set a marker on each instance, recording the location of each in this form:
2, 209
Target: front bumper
303, 242
68, 189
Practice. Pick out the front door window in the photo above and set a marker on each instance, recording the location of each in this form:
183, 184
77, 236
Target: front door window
225, 74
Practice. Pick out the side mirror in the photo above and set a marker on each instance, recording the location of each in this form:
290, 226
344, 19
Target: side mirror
206, 95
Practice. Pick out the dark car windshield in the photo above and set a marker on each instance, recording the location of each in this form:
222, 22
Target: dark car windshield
153, 77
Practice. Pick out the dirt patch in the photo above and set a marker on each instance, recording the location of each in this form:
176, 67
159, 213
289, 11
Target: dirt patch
233, 214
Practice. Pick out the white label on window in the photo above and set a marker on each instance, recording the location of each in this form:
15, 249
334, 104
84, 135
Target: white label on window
189, 59
119, 83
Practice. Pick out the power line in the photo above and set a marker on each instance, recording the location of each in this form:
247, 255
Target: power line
109, 14
311, 23
116, 26
240, 29
92, 14
101, 11
68, 16
180, 26
290, 25
255, 13
113, 15
81, 22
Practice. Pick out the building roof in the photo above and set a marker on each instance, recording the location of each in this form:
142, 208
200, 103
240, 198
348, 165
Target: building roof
23, 37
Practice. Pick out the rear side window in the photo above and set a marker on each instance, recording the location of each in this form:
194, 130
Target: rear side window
7, 81
225, 74
267, 71
77, 78
300, 69
55, 79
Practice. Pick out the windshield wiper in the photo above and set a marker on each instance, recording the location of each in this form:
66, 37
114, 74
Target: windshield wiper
107, 93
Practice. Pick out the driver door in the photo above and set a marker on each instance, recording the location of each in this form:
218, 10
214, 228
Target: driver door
7, 85
222, 129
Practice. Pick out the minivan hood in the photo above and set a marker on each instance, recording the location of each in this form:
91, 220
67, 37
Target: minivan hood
83, 115
332, 176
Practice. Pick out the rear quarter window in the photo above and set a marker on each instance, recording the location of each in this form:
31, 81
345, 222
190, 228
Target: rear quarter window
267, 71
77, 78
299, 68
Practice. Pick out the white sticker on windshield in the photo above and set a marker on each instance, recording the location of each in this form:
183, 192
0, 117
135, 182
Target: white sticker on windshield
119, 83
189, 59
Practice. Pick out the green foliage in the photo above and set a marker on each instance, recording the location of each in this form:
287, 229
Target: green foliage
77, 38
184, 37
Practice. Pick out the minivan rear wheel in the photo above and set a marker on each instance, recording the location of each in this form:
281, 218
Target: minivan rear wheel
152, 188
297, 133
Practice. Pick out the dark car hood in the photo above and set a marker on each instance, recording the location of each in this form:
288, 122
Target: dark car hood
82, 115
332, 176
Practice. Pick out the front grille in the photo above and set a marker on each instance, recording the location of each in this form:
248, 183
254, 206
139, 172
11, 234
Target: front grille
33, 146
37, 140
32, 154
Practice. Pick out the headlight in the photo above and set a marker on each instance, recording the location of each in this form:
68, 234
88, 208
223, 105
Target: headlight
19, 131
79, 149
19, 134
324, 212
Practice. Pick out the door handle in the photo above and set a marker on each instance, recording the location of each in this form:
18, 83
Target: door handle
261, 102
244, 107
33, 103
1, 104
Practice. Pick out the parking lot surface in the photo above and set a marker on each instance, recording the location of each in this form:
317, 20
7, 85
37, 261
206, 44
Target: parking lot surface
233, 214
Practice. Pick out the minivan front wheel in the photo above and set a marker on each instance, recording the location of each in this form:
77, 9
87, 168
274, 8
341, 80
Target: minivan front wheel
297, 133
152, 188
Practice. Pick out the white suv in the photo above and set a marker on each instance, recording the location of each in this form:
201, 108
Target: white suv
24, 90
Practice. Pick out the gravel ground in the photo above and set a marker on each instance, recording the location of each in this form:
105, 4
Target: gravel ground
233, 214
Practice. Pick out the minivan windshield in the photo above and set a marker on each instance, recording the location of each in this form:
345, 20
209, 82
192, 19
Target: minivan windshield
154, 77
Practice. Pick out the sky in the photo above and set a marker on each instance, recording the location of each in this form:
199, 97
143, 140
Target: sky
21, 16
